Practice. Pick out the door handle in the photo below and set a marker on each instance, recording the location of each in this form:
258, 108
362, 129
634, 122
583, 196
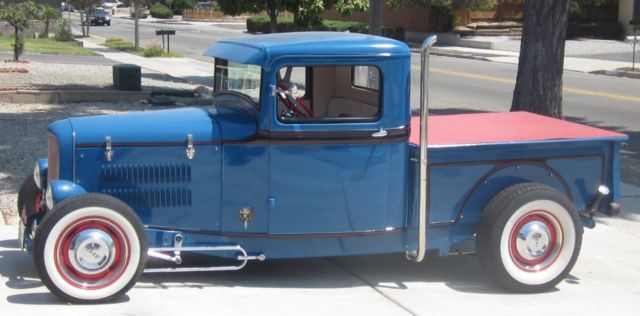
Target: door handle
380, 133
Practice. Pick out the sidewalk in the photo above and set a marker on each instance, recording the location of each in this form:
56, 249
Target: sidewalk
582, 55
578, 64
189, 69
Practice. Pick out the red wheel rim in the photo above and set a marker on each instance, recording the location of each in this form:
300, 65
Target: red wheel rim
548, 228
108, 274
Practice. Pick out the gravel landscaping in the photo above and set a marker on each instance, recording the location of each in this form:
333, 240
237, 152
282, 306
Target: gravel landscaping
23, 139
53, 76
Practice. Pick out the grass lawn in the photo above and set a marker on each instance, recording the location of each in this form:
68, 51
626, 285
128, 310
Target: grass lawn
47, 46
126, 46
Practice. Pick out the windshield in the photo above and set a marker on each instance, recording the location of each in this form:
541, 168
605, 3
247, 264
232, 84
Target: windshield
242, 78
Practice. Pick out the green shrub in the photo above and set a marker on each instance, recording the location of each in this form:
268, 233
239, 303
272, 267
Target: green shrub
160, 11
261, 24
18, 45
63, 31
155, 50
255, 23
179, 5
603, 30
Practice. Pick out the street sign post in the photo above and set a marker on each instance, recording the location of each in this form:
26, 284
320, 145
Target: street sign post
166, 33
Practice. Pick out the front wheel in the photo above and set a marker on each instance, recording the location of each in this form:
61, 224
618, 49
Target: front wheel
529, 237
91, 248
29, 199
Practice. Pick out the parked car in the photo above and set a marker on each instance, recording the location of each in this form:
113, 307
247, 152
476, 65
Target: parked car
110, 4
208, 5
65, 6
98, 17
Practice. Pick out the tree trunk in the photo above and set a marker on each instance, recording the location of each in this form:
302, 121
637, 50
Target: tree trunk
88, 24
46, 27
375, 17
272, 11
84, 32
16, 49
539, 81
136, 28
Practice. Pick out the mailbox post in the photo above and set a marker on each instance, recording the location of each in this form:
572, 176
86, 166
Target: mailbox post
168, 33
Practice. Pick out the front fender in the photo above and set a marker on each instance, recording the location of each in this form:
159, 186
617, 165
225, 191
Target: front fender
60, 190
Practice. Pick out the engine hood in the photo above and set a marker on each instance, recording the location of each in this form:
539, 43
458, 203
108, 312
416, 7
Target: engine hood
164, 126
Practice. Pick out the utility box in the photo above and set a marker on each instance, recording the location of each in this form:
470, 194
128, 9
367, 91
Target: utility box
127, 77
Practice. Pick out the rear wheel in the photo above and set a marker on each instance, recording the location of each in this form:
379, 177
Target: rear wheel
91, 248
529, 237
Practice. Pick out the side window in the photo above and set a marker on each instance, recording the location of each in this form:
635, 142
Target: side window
328, 94
367, 77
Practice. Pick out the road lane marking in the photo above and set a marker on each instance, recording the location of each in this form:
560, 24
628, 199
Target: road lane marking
511, 81
472, 76
602, 94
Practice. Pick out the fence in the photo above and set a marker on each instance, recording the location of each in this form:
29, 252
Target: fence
208, 15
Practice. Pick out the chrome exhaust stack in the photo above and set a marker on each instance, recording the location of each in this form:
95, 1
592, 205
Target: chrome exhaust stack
424, 113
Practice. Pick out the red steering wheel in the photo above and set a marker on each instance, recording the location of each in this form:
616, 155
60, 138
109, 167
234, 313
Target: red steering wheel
295, 104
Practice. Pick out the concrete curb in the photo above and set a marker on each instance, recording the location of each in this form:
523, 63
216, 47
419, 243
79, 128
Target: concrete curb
65, 96
618, 73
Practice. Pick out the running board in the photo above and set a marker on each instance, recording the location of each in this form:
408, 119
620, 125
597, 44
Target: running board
177, 259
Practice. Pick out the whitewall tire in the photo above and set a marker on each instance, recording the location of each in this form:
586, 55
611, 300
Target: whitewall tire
91, 248
529, 237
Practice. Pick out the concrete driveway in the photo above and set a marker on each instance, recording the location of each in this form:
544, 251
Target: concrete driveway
606, 280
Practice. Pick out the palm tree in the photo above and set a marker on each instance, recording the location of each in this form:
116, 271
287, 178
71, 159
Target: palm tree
49, 13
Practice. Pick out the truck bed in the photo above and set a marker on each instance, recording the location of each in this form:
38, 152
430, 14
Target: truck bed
473, 157
502, 127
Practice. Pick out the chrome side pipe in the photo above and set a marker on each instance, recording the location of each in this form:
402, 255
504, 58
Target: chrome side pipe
424, 114
243, 257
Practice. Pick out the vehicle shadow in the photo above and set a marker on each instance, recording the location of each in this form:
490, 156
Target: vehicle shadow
460, 273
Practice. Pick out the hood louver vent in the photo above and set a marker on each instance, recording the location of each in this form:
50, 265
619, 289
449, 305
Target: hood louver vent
148, 185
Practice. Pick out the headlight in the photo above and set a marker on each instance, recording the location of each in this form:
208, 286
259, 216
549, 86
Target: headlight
40, 173
36, 175
107, 18
48, 197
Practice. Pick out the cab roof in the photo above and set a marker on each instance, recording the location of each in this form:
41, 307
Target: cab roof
263, 50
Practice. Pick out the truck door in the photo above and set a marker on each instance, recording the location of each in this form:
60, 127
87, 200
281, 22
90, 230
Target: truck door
333, 168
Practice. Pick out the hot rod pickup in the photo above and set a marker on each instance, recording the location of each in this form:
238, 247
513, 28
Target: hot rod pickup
310, 150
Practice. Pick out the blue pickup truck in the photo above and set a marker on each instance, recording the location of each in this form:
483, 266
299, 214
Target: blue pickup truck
310, 150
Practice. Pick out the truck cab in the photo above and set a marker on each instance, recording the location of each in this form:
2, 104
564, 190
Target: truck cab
333, 132
310, 150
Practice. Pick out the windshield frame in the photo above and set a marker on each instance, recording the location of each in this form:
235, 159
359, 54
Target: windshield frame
220, 72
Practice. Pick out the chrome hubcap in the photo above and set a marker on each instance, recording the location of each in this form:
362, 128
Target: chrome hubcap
533, 240
92, 251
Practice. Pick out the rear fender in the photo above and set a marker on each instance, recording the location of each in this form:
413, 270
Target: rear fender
495, 181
